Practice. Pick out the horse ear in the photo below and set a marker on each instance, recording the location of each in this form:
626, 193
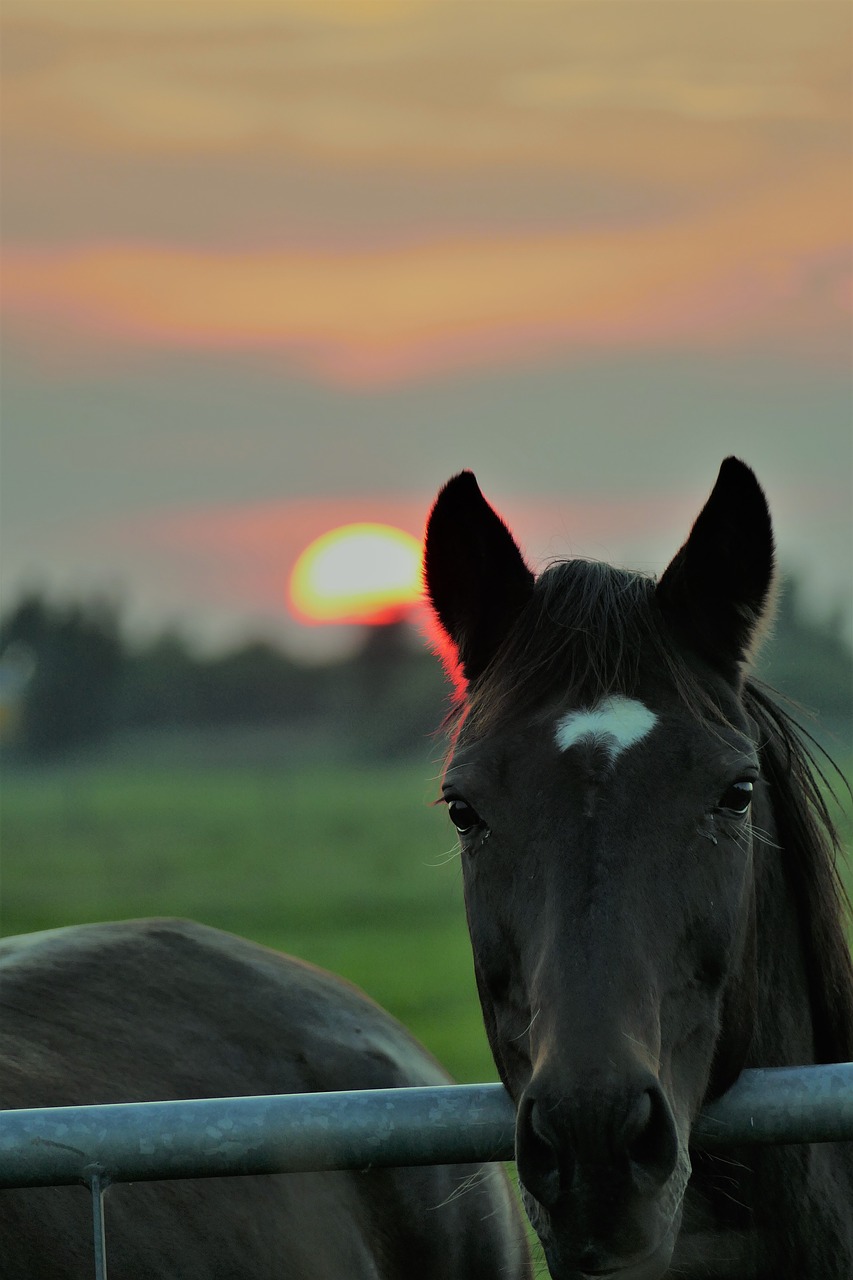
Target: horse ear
718, 588
475, 575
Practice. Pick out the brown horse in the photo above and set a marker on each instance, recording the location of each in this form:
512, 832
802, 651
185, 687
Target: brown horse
162, 1009
651, 892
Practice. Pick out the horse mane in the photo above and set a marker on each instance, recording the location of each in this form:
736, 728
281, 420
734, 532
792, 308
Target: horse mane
812, 852
586, 630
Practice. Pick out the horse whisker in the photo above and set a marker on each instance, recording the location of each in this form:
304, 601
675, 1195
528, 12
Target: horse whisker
529, 1025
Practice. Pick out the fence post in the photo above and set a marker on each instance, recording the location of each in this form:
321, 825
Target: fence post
98, 1183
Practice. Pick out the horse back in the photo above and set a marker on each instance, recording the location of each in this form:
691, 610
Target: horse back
163, 1009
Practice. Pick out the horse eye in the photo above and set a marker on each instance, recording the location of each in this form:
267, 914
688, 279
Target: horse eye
736, 798
463, 816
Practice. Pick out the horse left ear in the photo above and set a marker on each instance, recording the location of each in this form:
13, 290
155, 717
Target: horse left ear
475, 575
718, 588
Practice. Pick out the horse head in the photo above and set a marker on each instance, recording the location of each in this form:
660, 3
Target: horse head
604, 781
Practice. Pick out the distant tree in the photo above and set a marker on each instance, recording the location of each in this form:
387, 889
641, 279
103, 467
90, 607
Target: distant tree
76, 652
810, 661
258, 684
166, 685
391, 694
161, 685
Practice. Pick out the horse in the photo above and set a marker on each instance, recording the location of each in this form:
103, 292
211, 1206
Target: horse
164, 1009
650, 881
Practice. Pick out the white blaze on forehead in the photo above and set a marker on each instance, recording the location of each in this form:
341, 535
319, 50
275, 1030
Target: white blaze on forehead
615, 724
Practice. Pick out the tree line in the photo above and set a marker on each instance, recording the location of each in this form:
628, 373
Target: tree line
70, 678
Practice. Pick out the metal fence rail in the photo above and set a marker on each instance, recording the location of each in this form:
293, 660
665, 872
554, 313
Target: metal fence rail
298, 1132
455, 1124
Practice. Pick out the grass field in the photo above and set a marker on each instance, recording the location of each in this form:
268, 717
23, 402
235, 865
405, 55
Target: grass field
350, 868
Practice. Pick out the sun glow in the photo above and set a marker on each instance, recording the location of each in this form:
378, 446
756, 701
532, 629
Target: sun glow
367, 573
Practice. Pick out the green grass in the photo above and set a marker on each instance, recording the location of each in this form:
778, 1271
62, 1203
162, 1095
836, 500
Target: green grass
351, 869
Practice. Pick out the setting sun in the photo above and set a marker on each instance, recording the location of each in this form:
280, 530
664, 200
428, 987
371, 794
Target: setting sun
357, 573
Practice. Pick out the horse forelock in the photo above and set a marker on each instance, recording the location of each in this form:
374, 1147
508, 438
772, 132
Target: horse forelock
588, 632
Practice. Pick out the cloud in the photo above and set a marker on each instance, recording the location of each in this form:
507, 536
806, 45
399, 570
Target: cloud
376, 193
425, 84
770, 269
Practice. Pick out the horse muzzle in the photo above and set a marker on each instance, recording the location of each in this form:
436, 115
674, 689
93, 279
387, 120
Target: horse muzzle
653, 1267
570, 1259
603, 1173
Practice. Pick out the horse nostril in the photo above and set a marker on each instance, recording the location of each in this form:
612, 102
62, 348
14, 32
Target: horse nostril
537, 1156
651, 1140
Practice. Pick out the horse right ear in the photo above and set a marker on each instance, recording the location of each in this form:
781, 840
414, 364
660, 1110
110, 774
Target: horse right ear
476, 578
717, 590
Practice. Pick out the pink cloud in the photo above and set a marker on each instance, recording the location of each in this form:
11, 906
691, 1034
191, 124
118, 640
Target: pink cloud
767, 270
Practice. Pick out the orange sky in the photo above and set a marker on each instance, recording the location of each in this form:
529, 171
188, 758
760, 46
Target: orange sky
262, 252
723, 215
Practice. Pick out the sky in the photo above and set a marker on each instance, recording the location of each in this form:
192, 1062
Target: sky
270, 266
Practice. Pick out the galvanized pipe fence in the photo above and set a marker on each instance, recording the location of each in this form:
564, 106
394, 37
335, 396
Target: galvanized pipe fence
287, 1133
